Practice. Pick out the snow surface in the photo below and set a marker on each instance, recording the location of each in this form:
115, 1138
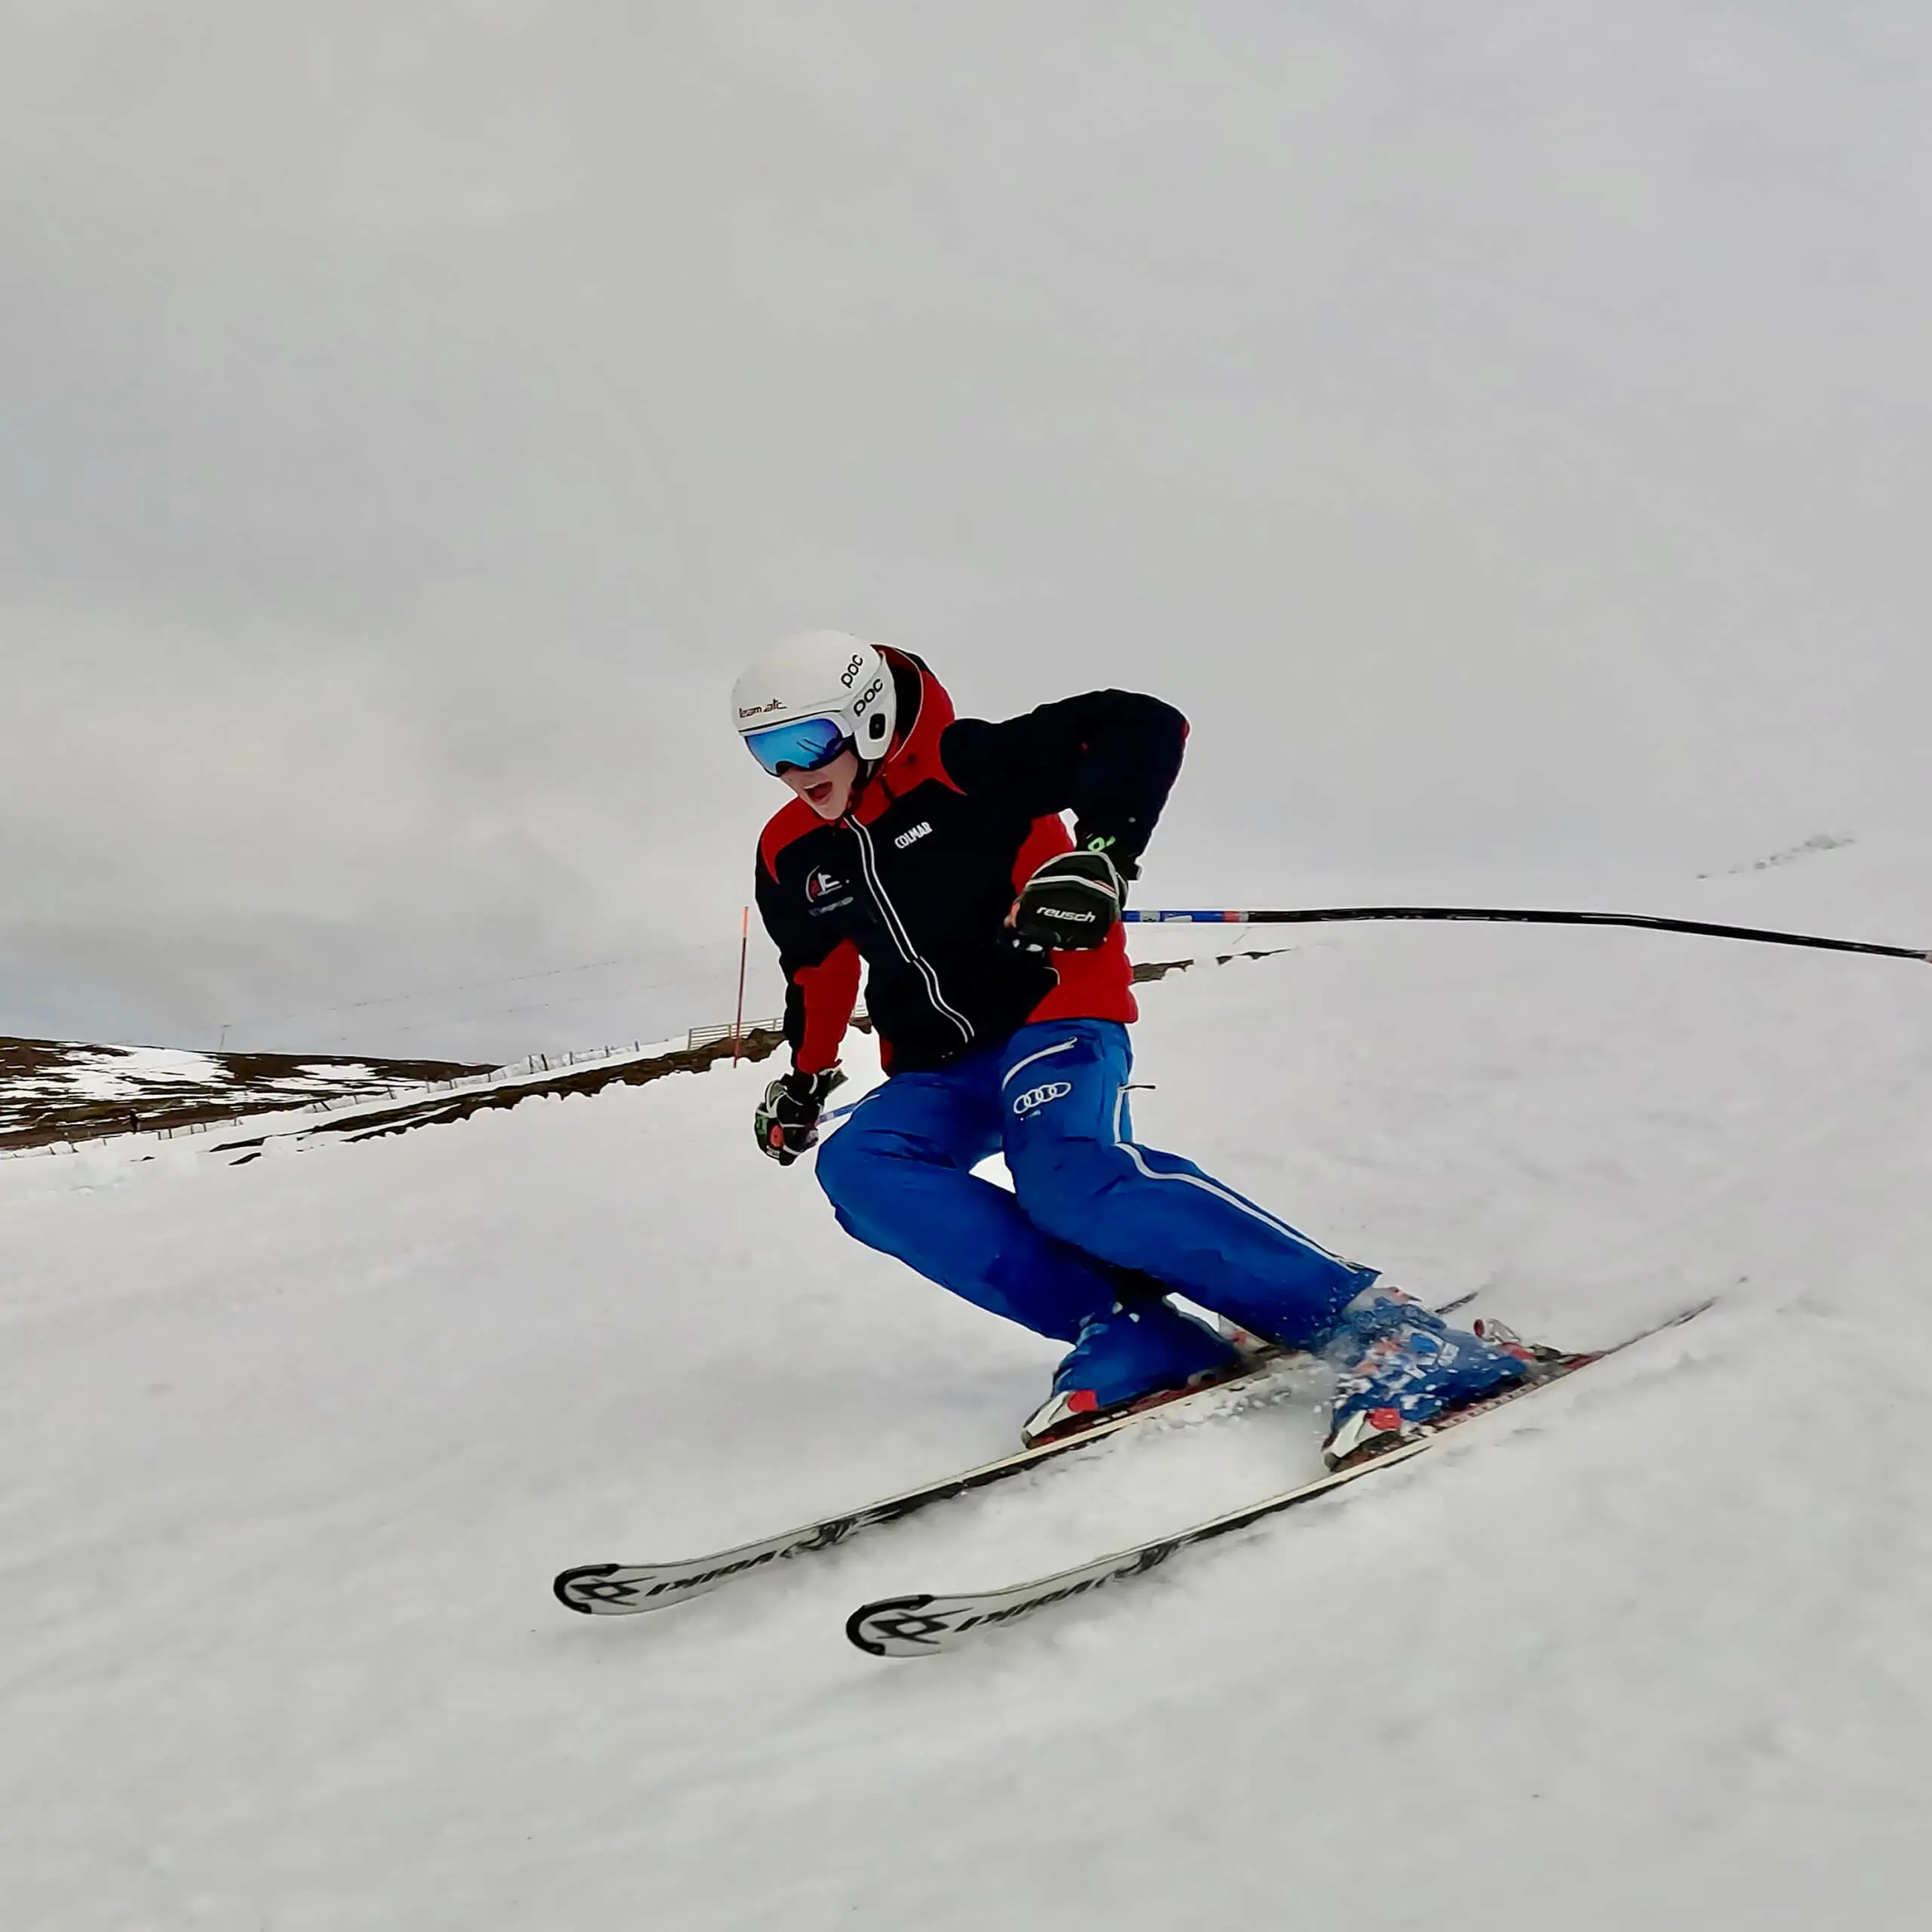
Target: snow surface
289, 1453
116, 1073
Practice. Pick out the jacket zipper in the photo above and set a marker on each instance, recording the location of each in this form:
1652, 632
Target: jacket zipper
901, 938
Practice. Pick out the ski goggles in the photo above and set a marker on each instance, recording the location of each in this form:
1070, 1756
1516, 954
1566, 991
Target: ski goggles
806, 744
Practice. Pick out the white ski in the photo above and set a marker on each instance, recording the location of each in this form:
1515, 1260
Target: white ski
625, 1589
615, 1590
923, 1625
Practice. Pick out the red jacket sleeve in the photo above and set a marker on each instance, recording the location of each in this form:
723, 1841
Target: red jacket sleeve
818, 1001
821, 970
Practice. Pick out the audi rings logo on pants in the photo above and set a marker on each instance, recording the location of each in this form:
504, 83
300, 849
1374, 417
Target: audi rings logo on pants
1054, 1089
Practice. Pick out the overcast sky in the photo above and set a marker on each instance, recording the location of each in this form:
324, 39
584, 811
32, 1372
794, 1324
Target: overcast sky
1502, 428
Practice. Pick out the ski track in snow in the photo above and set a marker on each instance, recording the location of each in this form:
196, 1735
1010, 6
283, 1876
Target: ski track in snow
289, 1453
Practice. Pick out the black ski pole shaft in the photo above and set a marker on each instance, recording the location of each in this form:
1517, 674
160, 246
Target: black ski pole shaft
1334, 914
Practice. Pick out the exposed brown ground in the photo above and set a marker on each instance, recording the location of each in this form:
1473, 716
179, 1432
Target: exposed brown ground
34, 1111
434, 1109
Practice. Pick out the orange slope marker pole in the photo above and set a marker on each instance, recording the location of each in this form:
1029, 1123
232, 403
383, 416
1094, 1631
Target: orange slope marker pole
738, 1020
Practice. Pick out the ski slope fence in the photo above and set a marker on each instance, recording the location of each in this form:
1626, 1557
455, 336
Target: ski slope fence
535, 1068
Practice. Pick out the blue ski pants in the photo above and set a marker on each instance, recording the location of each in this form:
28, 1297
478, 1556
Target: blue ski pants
1088, 1201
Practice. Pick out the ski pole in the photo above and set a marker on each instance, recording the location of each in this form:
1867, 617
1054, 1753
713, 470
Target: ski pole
1330, 915
1529, 916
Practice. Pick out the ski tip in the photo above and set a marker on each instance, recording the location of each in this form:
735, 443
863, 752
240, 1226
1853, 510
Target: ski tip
881, 1629
566, 1586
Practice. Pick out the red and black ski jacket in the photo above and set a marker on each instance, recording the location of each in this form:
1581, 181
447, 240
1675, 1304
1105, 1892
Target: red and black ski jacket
915, 881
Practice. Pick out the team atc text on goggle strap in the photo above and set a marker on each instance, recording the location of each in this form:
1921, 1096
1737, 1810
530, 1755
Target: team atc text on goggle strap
804, 745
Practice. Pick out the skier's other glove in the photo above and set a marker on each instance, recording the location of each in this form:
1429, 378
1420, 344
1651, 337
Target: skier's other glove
787, 1118
1070, 905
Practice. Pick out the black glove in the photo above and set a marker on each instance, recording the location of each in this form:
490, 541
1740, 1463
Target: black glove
1070, 905
787, 1118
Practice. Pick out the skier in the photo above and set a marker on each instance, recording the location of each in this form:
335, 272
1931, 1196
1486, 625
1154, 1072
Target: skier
932, 850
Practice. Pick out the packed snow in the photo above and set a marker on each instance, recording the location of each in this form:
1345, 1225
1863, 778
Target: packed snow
115, 1073
290, 1451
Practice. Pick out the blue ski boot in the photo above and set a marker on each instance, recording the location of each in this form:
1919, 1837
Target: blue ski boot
1399, 1365
1138, 1353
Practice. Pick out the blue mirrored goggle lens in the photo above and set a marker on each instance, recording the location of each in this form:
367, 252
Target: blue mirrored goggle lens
803, 746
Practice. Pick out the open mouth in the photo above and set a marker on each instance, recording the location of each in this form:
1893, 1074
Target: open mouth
820, 792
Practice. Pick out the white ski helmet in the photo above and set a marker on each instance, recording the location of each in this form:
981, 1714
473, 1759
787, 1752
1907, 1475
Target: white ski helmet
801, 701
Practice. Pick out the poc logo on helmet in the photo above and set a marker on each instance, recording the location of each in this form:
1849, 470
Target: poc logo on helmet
849, 676
1041, 1096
